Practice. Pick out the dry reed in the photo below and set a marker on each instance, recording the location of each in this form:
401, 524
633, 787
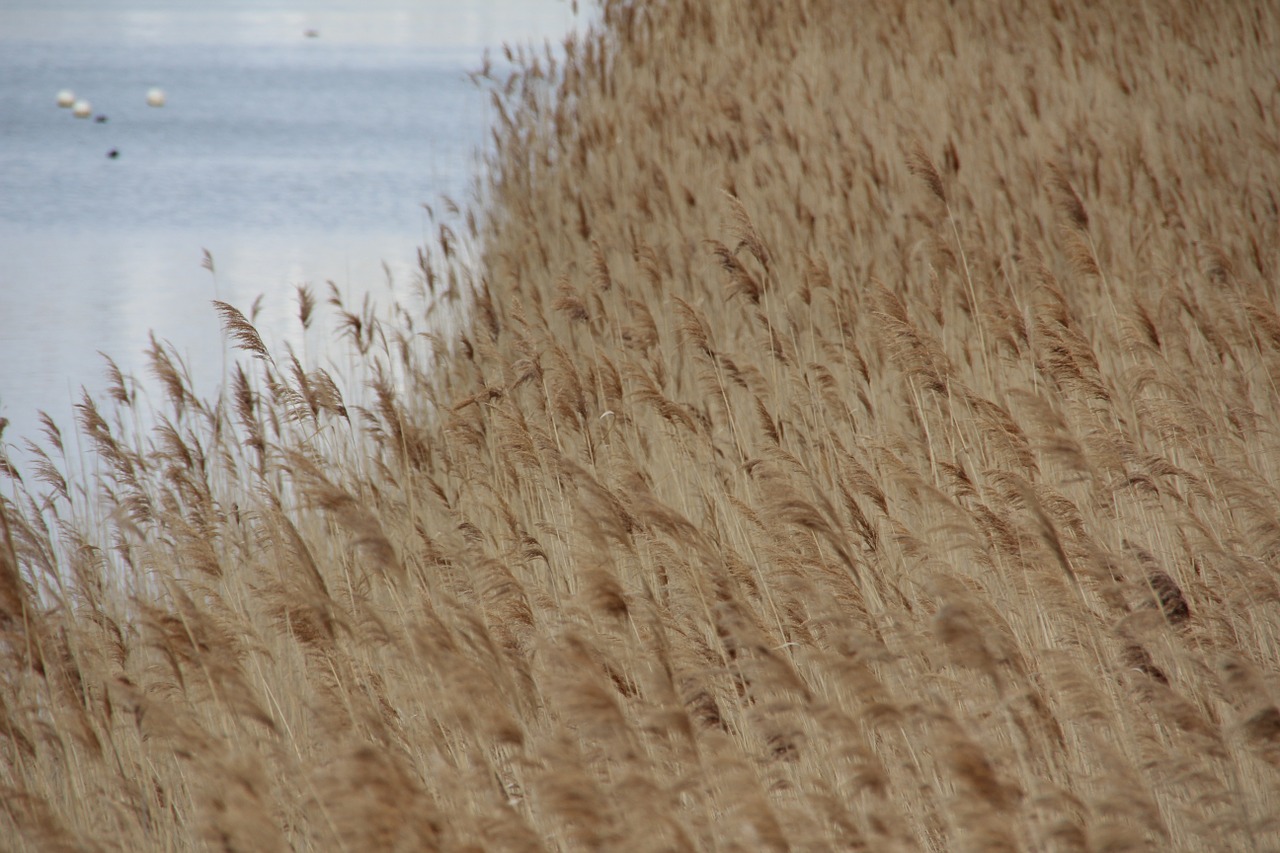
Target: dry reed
841, 426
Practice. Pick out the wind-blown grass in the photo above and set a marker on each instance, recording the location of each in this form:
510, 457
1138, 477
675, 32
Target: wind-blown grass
857, 433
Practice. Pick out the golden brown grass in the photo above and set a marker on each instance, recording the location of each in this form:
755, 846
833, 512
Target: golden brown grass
859, 433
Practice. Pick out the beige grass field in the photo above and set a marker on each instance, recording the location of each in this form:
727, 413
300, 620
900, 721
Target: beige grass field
859, 434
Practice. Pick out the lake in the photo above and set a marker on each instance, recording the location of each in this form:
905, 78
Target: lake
297, 144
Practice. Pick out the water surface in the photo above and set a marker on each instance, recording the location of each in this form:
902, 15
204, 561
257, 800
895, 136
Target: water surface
291, 158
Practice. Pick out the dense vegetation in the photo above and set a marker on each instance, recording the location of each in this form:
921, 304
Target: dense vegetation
856, 431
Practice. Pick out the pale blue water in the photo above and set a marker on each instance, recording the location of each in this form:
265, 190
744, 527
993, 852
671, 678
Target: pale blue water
327, 137
291, 159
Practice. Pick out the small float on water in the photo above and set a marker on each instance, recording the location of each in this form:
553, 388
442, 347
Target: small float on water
155, 97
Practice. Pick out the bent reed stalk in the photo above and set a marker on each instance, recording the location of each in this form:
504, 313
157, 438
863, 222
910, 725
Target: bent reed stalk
855, 434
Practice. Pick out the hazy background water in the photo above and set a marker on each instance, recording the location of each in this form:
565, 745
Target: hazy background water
290, 158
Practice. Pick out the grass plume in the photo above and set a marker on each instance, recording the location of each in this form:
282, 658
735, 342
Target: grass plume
841, 427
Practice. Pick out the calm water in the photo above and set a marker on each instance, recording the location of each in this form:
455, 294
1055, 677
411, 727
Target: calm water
291, 159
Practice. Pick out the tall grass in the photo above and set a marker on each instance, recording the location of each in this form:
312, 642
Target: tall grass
857, 433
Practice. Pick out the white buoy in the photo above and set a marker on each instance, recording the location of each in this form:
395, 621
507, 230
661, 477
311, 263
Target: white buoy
66, 98
155, 97
81, 109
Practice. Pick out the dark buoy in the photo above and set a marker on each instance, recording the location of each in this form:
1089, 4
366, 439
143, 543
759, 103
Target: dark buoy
100, 119
113, 153
311, 34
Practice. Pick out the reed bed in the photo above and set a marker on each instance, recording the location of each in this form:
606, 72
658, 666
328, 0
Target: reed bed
857, 432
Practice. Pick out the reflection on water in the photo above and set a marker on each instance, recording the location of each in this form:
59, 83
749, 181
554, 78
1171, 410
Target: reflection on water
290, 158
152, 280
